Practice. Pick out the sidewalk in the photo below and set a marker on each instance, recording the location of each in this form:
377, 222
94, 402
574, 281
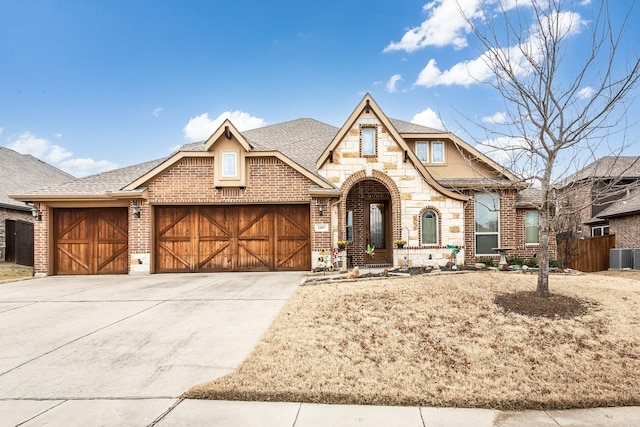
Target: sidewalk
170, 412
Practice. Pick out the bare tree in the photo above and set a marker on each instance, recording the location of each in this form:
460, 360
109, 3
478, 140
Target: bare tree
560, 111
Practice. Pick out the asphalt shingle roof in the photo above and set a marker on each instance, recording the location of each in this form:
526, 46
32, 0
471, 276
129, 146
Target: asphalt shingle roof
628, 205
23, 173
623, 167
406, 127
301, 140
101, 183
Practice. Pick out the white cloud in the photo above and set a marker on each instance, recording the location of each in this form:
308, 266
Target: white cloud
585, 92
478, 70
393, 83
85, 166
497, 119
1, 129
463, 73
444, 26
201, 127
28, 143
504, 150
156, 112
428, 118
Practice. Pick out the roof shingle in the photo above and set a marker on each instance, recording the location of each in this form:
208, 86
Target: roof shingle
22, 173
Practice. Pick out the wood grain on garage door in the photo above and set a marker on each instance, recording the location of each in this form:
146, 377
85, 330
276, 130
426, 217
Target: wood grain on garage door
232, 238
91, 241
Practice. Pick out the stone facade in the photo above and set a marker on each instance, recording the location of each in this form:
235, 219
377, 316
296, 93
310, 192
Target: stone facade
408, 192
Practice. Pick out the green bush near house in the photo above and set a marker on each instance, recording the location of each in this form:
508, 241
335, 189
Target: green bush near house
514, 260
532, 262
487, 261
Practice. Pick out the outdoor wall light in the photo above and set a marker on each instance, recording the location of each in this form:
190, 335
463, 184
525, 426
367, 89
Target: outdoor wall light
320, 207
135, 209
36, 213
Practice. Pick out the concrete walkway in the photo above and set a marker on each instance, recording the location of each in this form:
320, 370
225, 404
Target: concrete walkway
120, 350
175, 413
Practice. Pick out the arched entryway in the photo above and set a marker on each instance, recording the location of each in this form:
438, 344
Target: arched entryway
369, 221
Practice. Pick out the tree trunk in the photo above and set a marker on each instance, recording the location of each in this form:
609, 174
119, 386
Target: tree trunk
542, 290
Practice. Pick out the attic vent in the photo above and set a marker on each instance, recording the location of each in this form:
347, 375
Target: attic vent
230, 192
264, 161
227, 132
196, 161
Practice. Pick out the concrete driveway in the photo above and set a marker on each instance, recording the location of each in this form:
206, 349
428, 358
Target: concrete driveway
68, 344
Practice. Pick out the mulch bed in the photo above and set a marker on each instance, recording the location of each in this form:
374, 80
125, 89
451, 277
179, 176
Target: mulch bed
552, 307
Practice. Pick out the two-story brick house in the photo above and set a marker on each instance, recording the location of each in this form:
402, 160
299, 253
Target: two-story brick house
586, 195
281, 196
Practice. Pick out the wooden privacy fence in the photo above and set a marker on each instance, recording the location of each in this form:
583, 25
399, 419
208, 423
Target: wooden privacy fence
19, 242
589, 254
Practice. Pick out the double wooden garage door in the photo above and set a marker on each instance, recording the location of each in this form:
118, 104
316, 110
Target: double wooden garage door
90, 241
232, 238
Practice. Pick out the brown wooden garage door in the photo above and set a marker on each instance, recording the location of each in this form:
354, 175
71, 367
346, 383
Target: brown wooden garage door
232, 238
90, 241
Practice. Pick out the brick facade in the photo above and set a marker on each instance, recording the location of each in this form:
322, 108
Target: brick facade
512, 230
627, 231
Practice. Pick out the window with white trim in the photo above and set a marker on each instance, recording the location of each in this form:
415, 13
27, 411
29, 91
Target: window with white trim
487, 221
602, 230
422, 151
429, 227
229, 164
532, 226
437, 152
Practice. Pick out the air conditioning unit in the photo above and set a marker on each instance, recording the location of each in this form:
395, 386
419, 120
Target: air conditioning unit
636, 259
620, 258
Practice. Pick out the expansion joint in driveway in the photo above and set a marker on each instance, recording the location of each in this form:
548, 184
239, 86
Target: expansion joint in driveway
165, 413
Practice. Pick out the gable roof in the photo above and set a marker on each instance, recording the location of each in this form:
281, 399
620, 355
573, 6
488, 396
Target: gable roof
21, 173
296, 143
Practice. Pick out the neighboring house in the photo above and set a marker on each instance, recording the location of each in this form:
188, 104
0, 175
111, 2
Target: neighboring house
21, 173
281, 196
623, 217
588, 193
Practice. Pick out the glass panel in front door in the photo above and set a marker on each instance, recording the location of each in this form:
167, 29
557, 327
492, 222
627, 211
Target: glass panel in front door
377, 225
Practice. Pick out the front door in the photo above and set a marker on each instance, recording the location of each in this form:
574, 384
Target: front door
377, 227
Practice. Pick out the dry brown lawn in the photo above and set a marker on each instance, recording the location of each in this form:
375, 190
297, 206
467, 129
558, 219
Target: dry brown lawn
10, 272
442, 341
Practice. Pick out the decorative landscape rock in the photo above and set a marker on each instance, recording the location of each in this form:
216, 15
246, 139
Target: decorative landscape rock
480, 265
355, 273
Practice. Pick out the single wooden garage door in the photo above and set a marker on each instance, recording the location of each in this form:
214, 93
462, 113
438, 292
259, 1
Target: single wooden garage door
232, 238
91, 241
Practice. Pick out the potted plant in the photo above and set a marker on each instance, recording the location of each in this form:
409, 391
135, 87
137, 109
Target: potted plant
400, 243
342, 245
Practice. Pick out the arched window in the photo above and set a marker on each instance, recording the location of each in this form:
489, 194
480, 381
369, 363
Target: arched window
429, 223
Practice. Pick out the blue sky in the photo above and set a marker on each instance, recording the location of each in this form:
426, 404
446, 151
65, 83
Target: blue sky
93, 85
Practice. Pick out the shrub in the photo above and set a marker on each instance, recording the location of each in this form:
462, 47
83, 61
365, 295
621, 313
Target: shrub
487, 261
554, 263
514, 260
532, 262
